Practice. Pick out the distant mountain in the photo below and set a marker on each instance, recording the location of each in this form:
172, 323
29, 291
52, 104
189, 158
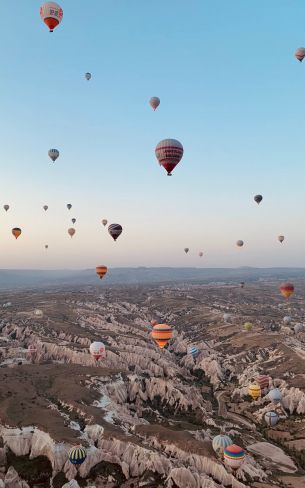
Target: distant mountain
44, 278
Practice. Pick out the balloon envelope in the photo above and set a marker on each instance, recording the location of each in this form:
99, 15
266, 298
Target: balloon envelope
97, 350
88, 76
162, 333
115, 230
71, 231
220, 442
254, 391
186, 250
287, 289
169, 153
16, 231
45, 207
154, 102
262, 381
193, 351
51, 14
104, 222
300, 54
6, 207
53, 154
271, 418
69, 206
258, 198
101, 271
281, 238
77, 455
275, 395
234, 456
239, 243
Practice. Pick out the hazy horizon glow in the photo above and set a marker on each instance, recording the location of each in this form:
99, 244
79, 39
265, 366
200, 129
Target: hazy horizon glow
231, 91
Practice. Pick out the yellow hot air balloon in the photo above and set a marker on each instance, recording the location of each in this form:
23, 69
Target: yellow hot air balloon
16, 232
254, 391
101, 271
248, 326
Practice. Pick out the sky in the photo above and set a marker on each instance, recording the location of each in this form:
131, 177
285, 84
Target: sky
231, 92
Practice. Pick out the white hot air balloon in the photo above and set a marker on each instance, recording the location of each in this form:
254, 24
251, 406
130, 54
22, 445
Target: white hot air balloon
169, 153
97, 350
51, 13
53, 154
154, 102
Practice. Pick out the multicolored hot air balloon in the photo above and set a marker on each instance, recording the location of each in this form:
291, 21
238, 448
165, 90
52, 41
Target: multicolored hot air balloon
104, 222
220, 443
154, 102
16, 231
248, 326
300, 54
69, 206
162, 333
77, 455
51, 14
101, 271
71, 232
45, 207
53, 154
97, 350
254, 391
287, 289
6, 207
271, 418
281, 239
186, 250
239, 243
275, 395
258, 199
73, 221
115, 230
193, 351
262, 381
234, 456
88, 76
169, 153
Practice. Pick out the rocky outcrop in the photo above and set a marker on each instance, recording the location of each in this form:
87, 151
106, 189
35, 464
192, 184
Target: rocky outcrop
12, 480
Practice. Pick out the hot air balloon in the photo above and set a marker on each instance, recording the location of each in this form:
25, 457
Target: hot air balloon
275, 395
115, 230
200, 254
220, 442
45, 207
169, 153
88, 76
287, 319
300, 54
262, 381
54, 154
69, 206
234, 456
104, 222
38, 313
248, 326
239, 243
97, 350
287, 289
162, 333
258, 199
77, 455
52, 14
6, 207
16, 232
186, 250
242, 284
254, 391
101, 271
271, 418
193, 351
73, 221
46, 246
153, 323
154, 102
226, 317
71, 232
281, 238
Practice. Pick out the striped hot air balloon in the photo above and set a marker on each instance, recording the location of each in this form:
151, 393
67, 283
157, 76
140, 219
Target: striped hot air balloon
234, 456
193, 351
263, 381
271, 418
169, 153
254, 391
101, 271
53, 154
162, 333
287, 289
51, 14
16, 231
115, 230
220, 442
77, 455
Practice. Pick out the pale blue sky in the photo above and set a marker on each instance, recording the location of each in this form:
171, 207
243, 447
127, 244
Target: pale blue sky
231, 91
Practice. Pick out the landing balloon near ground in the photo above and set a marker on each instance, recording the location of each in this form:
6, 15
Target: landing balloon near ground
115, 230
51, 14
53, 154
169, 153
154, 102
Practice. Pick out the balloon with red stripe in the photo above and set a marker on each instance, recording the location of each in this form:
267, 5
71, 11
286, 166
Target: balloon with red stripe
169, 153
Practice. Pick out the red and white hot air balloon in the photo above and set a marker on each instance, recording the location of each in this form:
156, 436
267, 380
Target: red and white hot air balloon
52, 14
169, 153
97, 350
154, 102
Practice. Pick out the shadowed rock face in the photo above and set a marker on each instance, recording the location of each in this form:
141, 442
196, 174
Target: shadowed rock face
145, 415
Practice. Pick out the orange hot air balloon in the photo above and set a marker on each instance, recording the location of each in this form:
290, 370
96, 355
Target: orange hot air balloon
16, 232
101, 271
71, 232
162, 333
153, 323
287, 289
